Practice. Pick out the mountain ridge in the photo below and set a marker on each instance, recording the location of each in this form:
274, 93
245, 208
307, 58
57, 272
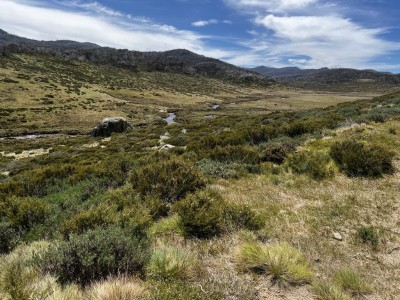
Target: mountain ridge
178, 60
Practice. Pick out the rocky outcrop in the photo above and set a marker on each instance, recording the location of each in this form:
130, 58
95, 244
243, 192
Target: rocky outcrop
110, 125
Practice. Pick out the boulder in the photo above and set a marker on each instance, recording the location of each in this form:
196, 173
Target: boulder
110, 125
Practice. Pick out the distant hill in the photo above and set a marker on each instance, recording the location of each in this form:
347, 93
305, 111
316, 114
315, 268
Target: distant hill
176, 61
9, 39
337, 79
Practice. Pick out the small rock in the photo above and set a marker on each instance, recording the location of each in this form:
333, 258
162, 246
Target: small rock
337, 236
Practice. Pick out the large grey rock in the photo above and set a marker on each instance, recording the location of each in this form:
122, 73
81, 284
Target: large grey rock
110, 125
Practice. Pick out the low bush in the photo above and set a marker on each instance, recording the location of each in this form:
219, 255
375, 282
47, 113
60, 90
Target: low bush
241, 154
26, 212
168, 180
351, 281
359, 159
9, 237
237, 216
226, 170
277, 153
324, 290
206, 214
283, 263
368, 235
317, 165
171, 263
201, 214
95, 255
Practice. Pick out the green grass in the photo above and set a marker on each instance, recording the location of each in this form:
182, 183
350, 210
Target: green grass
283, 263
326, 291
351, 281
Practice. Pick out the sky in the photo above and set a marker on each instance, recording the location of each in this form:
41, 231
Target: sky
361, 34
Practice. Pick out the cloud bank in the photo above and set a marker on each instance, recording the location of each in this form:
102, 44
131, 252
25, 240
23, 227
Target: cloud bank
302, 33
95, 23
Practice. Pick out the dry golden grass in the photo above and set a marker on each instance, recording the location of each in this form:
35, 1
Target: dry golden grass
118, 289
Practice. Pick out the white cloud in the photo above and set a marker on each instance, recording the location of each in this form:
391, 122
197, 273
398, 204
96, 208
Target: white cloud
203, 23
291, 29
102, 26
270, 5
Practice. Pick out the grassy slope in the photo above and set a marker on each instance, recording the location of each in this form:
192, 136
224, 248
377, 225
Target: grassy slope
300, 211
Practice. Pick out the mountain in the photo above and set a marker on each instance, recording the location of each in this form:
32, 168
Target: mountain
334, 79
175, 61
284, 72
10, 39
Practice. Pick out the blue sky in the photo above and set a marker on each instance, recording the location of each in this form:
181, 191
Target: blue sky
361, 34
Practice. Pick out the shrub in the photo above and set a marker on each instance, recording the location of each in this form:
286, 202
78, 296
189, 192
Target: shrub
241, 216
283, 263
26, 212
8, 237
176, 290
226, 170
368, 235
169, 180
95, 255
359, 159
351, 281
241, 154
201, 214
277, 153
325, 291
315, 164
118, 289
170, 263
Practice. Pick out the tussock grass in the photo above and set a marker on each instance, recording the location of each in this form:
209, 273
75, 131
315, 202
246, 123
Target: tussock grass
351, 281
166, 226
283, 263
20, 278
172, 263
326, 291
118, 289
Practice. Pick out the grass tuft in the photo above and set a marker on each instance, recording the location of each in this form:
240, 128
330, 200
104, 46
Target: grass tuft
283, 263
326, 291
118, 289
351, 281
172, 263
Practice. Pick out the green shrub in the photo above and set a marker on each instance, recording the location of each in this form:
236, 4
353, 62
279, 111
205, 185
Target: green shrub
8, 237
351, 281
277, 153
171, 263
169, 180
26, 212
239, 216
96, 255
359, 159
226, 170
201, 214
368, 235
283, 263
315, 164
241, 154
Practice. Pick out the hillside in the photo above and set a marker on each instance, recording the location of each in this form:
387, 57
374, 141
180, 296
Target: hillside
181, 61
333, 79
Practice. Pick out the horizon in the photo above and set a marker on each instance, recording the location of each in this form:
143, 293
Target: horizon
308, 34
